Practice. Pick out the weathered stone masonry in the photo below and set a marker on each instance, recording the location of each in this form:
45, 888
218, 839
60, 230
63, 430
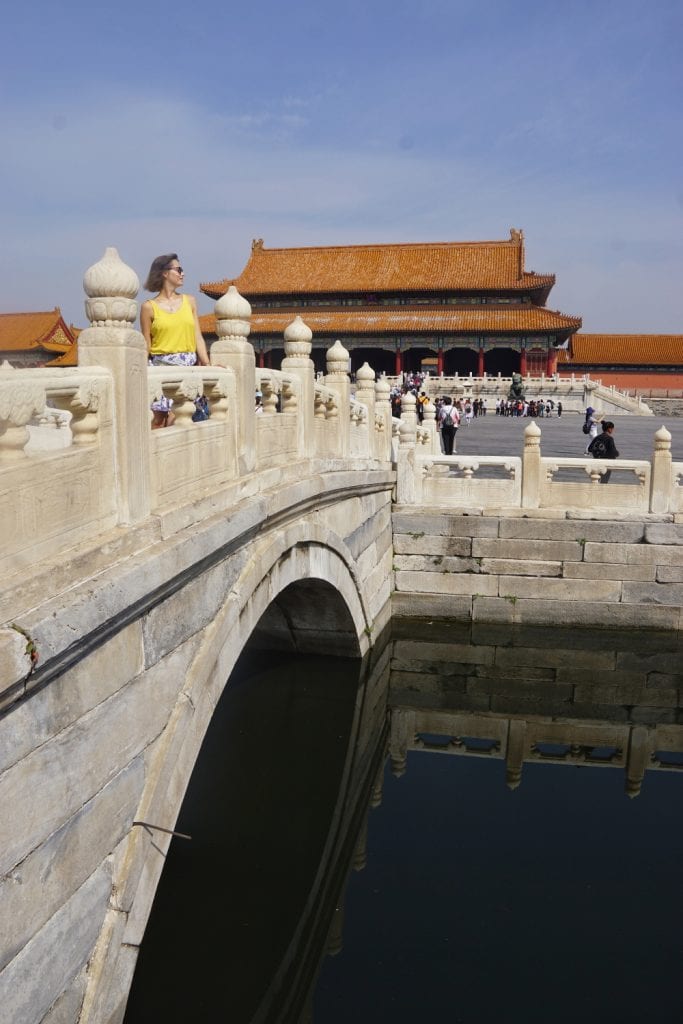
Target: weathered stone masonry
557, 571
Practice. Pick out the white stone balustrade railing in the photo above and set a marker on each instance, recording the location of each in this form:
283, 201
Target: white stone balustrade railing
114, 470
532, 481
575, 391
50, 499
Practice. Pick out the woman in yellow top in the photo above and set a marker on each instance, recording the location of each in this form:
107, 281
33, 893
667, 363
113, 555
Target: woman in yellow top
169, 321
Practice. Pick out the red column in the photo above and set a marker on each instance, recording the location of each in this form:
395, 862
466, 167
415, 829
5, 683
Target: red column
398, 369
522, 362
480, 363
439, 362
551, 363
261, 359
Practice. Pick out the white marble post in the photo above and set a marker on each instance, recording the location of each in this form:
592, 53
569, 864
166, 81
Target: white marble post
531, 467
233, 350
112, 342
337, 379
660, 484
298, 345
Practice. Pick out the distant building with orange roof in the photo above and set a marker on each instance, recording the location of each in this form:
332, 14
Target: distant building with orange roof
37, 339
465, 307
646, 364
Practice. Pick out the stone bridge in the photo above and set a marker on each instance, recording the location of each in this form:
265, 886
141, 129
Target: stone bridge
138, 563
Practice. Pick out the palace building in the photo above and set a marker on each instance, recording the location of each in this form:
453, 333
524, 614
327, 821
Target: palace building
452, 307
38, 339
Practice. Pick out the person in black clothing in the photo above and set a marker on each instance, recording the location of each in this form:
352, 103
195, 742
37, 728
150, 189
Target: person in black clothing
449, 421
603, 447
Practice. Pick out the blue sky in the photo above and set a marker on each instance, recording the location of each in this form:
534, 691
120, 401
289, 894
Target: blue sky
195, 128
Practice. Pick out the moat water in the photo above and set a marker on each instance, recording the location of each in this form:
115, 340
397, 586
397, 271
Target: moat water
475, 824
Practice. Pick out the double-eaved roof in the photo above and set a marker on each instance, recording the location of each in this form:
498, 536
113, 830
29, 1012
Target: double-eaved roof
405, 267
425, 319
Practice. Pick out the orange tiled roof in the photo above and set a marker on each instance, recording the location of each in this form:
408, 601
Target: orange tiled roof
423, 266
477, 319
624, 349
24, 331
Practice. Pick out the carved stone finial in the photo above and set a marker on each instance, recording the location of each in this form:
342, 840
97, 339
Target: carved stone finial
365, 375
337, 359
111, 287
232, 315
532, 434
662, 439
298, 340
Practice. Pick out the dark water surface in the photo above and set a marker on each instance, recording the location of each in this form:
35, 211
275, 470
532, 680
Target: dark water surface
522, 861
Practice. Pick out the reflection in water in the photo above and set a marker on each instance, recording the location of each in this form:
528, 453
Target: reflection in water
493, 883
556, 899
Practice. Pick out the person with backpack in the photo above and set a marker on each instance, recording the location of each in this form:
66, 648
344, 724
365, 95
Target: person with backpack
603, 447
449, 421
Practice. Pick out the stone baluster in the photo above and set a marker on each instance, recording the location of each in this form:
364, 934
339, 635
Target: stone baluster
531, 467
298, 339
383, 413
429, 424
19, 403
660, 483
232, 349
217, 395
111, 341
365, 393
269, 400
184, 393
337, 379
408, 489
83, 405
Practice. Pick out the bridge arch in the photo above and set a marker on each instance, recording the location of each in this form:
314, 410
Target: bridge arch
299, 584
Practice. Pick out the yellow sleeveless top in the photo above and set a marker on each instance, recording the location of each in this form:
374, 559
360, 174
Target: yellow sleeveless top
172, 332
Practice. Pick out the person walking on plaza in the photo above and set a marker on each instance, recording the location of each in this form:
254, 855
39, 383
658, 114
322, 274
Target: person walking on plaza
603, 447
593, 422
449, 421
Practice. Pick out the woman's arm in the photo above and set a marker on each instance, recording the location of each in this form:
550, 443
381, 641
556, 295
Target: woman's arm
146, 317
202, 354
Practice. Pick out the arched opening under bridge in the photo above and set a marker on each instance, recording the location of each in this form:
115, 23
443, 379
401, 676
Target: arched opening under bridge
273, 806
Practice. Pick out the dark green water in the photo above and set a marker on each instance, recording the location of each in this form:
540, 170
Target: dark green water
557, 899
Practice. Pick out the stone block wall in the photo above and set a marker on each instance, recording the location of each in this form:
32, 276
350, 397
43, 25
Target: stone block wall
521, 569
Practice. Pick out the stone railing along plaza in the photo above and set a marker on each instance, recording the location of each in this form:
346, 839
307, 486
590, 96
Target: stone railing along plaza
575, 392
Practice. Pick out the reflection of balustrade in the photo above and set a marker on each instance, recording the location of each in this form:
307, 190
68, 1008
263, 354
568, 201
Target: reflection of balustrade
558, 717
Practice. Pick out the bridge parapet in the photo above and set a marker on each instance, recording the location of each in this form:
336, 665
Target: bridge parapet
116, 471
536, 482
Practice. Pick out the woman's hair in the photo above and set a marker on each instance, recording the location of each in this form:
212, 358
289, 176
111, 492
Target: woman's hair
155, 278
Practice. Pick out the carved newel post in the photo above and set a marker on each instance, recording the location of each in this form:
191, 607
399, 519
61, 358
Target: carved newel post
406, 489
298, 345
660, 492
232, 349
531, 467
365, 393
111, 341
383, 416
337, 379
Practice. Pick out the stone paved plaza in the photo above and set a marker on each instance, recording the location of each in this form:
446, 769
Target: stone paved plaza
504, 435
